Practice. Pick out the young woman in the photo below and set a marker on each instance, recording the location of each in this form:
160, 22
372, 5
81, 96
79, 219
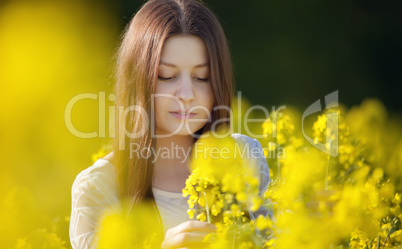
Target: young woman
174, 82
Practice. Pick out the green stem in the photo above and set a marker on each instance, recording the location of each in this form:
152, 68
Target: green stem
385, 241
234, 238
207, 208
378, 242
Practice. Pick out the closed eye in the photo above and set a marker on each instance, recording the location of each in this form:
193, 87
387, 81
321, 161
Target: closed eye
203, 79
165, 79
171, 78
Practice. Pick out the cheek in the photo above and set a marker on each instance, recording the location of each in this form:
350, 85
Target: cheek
159, 101
158, 89
159, 105
208, 98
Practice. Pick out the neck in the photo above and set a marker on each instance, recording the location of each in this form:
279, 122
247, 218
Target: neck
173, 151
171, 162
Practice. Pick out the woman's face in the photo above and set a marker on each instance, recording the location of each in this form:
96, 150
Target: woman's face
183, 95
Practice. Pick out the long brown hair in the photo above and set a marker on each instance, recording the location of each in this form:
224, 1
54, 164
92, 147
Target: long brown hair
136, 73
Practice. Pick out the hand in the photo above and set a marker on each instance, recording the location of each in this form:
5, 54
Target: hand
189, 234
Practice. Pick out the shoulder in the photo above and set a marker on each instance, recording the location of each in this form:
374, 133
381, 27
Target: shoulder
109, 157
97, 181
102, 169
94, 191
255, 153
250, 142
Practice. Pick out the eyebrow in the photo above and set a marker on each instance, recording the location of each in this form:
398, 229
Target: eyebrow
172, 65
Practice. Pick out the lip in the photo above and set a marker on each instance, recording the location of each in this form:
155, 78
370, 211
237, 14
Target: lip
181, 115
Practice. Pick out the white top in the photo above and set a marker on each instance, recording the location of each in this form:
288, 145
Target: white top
172, 207
95, 189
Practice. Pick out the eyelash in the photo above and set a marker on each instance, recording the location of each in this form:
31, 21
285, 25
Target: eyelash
168, 79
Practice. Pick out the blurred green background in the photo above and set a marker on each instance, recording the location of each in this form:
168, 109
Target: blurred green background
284, 52
293, 52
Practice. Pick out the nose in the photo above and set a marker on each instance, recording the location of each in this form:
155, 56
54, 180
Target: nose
185, 91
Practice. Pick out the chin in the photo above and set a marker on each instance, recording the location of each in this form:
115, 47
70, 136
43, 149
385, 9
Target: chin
182, 132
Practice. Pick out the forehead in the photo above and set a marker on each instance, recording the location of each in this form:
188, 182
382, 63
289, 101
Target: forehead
184, 50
